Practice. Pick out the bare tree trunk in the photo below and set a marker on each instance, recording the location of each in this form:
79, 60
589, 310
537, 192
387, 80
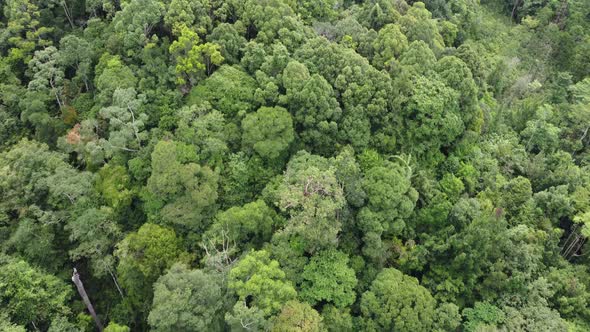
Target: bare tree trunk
82, 291
116, 282
64, 4
516, 4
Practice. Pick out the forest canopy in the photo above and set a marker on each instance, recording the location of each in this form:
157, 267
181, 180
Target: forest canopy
282, 165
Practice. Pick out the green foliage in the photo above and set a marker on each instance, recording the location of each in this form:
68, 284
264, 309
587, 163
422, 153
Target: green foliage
180, 289
96, 233
8, 326
112, 74
431, 118
482, 315
269, 131
126, 122
310, 193
229, 90
260, 279
135, 21
327, 278
397, 302
193, 59
311, 100
143, 256
245, 226
337, 319
30, 295
192, 14
391, 199
297, 316
389, 45
179, 192
114, 327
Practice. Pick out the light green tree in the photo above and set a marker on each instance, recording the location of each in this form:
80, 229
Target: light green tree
259, 279
296, 316
193, 59
328, 278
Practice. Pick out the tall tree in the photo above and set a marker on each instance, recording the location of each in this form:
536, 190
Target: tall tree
259, 280
269, 131
397, 302
186, 300
30, 296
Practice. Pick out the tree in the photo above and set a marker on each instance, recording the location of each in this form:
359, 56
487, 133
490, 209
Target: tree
269, 131
126, 122
397, 302
207, 130
297, 317
143, 256
273, 20
381, 12
186, 300
260, 280
244, 318
337, 320
250, 225
179, 191
114, 184
483, 314
364, 92
447, 317
114, 327
77, 53
193, 14
229, 90
389, 45
193, 59
310, 193
61, 324
322, 10
328, 278
96, 234
8, 326
112, 74
30, 296
48, 75
418, 24
39, 190
430, 118
135, 21
391, 200
230, 40
457, 76
540, 134
23, 33
311, 101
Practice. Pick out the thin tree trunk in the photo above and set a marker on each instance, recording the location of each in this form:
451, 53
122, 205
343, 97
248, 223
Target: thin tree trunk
115, 281
516, 4
82, 291
67, 12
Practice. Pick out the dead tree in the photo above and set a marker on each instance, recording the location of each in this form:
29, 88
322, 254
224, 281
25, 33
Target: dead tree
82, 291
573, 243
